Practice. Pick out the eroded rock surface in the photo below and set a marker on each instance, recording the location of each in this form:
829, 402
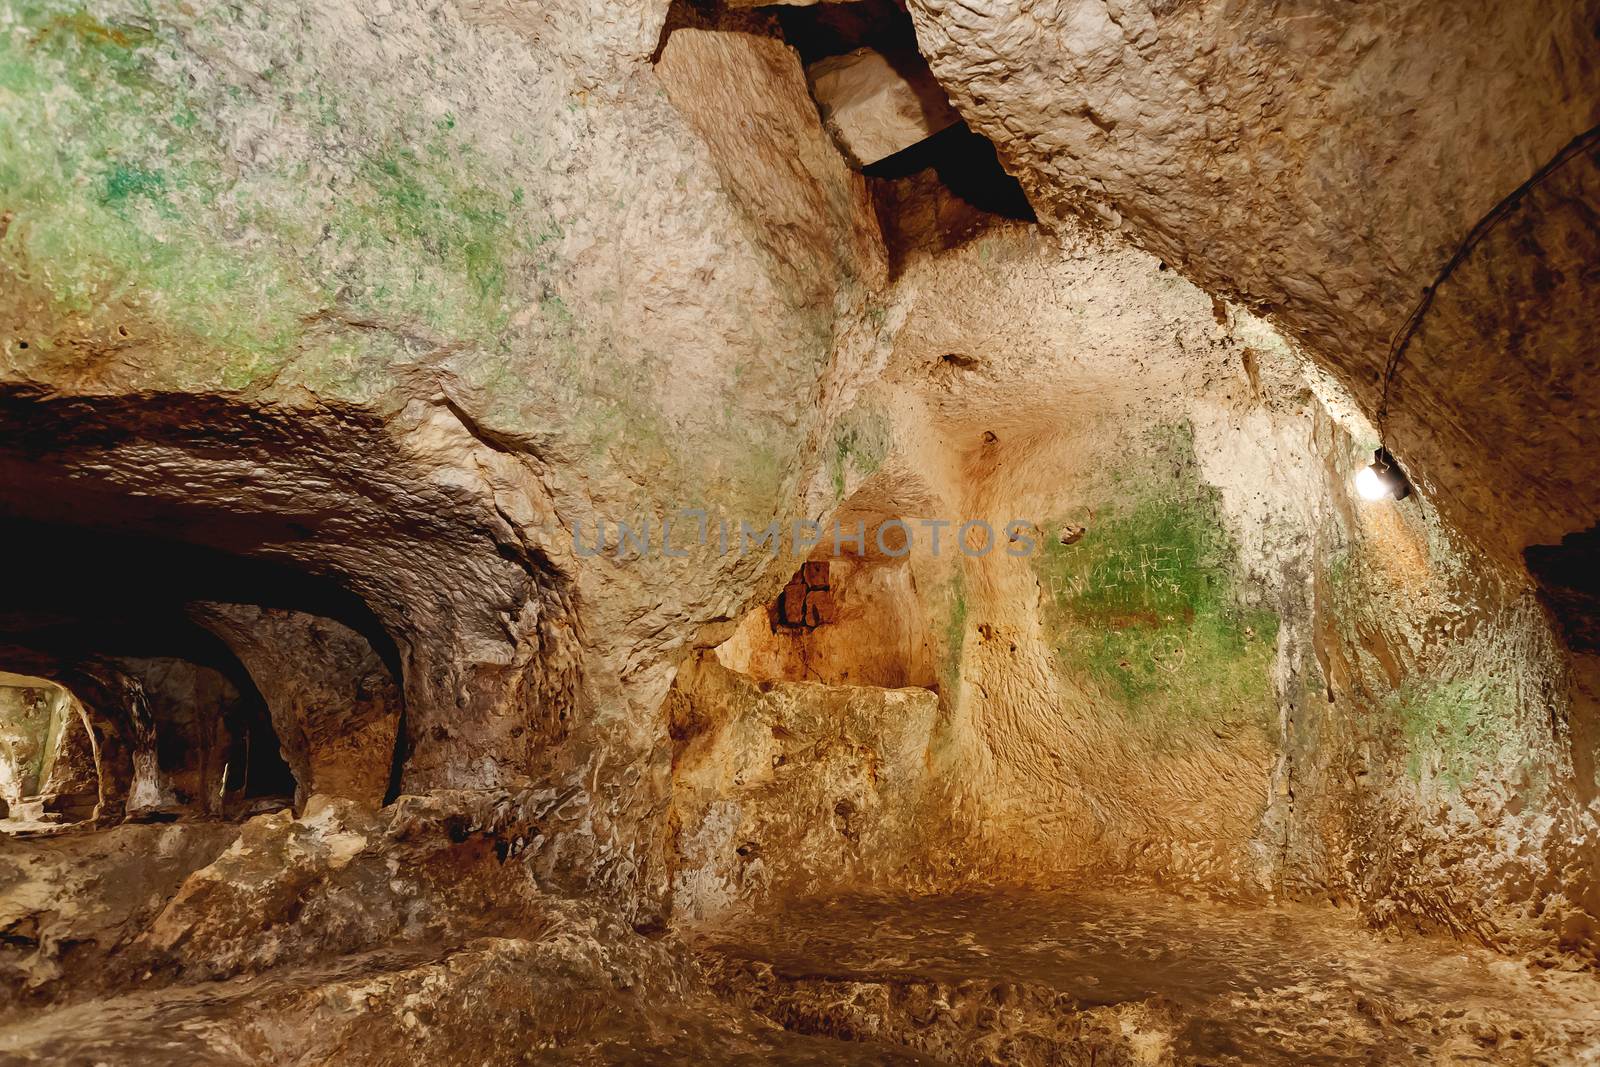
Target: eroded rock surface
391, 397
1209, 132
787, 788
69, 902
876, 105
335, 706
1139, 978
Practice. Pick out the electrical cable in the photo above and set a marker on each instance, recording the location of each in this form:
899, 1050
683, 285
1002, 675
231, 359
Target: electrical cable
1402, 338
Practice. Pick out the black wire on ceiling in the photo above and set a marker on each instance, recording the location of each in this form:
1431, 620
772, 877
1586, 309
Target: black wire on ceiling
1402, 338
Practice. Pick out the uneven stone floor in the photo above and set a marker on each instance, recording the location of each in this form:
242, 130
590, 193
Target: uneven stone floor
494, 1001
1128, 976
1143, 977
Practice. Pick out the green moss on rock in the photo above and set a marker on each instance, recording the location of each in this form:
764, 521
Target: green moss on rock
859, 446
955, 635
128, 204
1454, 726
1145, 606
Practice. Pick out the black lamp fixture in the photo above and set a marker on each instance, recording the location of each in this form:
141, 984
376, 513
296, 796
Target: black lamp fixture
1382, 477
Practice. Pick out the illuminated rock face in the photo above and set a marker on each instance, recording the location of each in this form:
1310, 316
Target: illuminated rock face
876, 105
338, 346
1311, 166
30, 716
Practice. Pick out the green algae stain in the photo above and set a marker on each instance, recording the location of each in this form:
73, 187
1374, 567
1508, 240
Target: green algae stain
1454, 726
1145, 604
270, 222
124, 182
955, 634
466, 227
860, 445
111, 183
126, 202
444, 244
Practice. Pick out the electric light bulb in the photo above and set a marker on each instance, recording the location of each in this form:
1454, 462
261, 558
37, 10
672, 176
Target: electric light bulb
1369, 485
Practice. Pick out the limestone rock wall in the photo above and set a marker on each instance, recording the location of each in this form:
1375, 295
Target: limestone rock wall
352, 333
864, 624
1219, 667
335, 708
782, 789
1102, 674
1431, 747
1211, 133
29, 717
400, 346
1105, 665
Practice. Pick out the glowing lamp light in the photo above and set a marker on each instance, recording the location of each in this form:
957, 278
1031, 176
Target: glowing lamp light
1369, 485
1381, 478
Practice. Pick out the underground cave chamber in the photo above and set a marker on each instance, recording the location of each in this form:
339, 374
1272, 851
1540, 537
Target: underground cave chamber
162, 703
825, 533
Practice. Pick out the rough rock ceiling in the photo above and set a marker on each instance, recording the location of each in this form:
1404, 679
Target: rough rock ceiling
356, 366
1320, 163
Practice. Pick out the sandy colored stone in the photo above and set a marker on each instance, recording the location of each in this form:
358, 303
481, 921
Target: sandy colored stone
334, 704
791, 787
337, 342
29, 714
1314, 167
876, 104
